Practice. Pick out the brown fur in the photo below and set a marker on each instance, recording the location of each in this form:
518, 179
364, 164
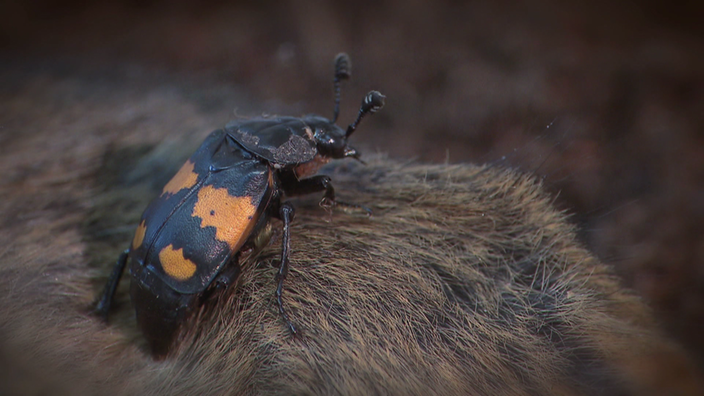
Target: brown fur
465, 280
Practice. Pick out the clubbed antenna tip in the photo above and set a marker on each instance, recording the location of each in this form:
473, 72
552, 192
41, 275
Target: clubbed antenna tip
372, 102
343, 66
343, 71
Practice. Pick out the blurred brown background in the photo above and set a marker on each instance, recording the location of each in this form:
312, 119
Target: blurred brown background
604, 101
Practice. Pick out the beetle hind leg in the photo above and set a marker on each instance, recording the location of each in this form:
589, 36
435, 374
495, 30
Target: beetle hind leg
102, 308
286, 212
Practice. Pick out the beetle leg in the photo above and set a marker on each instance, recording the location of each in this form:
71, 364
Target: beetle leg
327, 203
103, 306
329, 200
321, 183
228, 276
286, 212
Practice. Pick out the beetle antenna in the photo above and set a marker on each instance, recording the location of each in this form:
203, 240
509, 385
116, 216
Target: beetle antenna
343, 71
371, 103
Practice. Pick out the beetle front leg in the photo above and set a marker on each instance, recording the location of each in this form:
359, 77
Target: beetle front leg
321, 183
286, 212
102, 308
329, 200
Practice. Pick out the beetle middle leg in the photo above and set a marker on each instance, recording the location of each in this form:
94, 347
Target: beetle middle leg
321, 183
286, 212
102, 308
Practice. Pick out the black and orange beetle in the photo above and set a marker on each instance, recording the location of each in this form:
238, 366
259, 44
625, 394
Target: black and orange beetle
220, 203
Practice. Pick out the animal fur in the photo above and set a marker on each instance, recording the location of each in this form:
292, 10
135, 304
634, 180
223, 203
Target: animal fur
465, 281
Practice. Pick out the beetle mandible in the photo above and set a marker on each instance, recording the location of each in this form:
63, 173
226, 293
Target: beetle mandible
220, 203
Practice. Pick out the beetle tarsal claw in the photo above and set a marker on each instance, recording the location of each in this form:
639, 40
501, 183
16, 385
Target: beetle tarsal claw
328, 204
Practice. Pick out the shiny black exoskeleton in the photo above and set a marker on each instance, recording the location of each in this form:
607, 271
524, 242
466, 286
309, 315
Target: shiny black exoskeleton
219, 205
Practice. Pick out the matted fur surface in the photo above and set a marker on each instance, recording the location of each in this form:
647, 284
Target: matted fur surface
465, 281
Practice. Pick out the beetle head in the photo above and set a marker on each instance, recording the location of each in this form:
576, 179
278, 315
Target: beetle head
330, 139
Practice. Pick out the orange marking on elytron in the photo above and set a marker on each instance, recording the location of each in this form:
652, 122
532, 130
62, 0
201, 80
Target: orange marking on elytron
175, 265
231, 216
185, 178
139, 235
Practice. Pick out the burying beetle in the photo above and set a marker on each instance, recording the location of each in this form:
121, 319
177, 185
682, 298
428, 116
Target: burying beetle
220, 203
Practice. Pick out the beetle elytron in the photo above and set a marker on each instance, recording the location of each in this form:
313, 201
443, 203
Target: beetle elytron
220, 203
